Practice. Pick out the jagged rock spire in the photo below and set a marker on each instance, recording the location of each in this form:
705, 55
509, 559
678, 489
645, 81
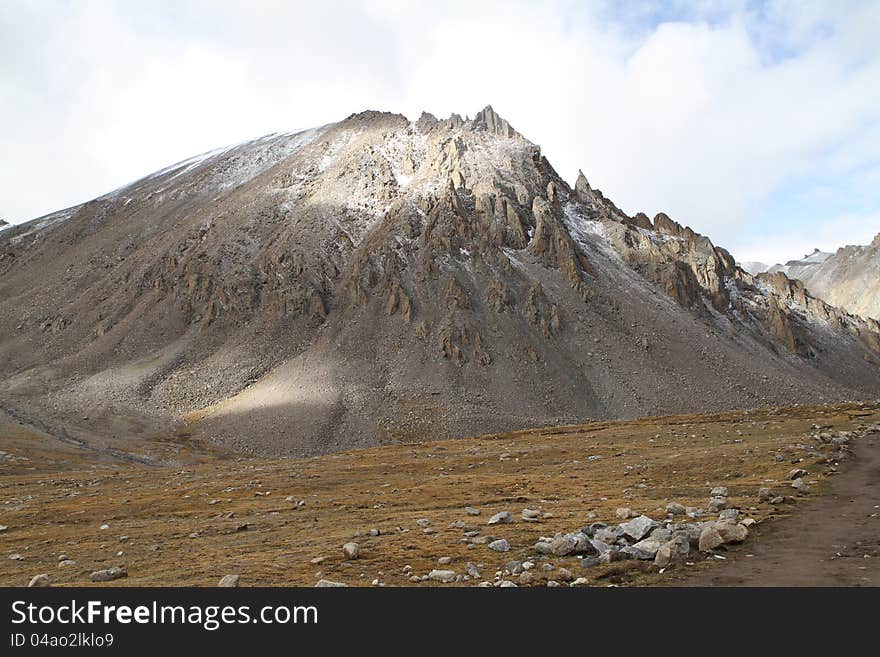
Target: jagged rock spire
488, 119
582, 187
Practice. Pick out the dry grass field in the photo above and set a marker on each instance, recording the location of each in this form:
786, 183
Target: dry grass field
283, 522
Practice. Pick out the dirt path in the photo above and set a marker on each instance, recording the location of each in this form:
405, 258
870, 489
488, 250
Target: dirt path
823, 543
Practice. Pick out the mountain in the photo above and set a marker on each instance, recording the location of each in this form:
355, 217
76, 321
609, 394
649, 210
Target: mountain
378, 280
753, 267
802, 267
849, 278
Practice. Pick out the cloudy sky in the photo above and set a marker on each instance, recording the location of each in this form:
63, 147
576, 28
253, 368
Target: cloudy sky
756, 123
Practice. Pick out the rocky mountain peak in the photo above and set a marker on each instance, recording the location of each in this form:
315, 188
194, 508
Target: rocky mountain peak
378, 280
488, 119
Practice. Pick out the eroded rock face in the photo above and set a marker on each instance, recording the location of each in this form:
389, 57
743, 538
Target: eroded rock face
378, 280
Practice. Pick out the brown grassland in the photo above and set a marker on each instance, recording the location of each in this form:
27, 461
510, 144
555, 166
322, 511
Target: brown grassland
213, 513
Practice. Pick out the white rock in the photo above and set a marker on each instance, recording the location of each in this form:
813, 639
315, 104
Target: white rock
445, 576
229, 582
501, 545
40, 581
500, 517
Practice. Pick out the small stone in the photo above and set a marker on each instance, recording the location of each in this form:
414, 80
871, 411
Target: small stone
580, 581
564, 575
15, 556
229, 582
552, 584
765, 494
501, 545
777, 500
800, 486
38, 581
445, 576
719, 491
716, 504
624, 513
526, 578
64, 563
444, 561
104, 526
730, 515
797, 473
472, 511
351, 550
423, 522
531, 515
327, 584
676, 509
514, 567
749, 522
109, 574
500, 517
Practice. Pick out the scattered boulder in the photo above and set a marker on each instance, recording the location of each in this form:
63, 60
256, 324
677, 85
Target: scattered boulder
612, 556
800, 486
638, 528
608, 534
472, 511
719, 491
645, 549
351, 550
676, 509
716, 504
765, 494
797, 473
670, 552
710, 539
531, 515
731, 532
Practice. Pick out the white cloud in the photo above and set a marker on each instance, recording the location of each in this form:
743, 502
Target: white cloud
705, 113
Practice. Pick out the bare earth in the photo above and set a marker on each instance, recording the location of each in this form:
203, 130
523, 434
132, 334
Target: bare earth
832, 540
284, 521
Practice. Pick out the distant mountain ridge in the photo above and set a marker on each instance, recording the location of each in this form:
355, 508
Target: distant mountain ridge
848, 278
